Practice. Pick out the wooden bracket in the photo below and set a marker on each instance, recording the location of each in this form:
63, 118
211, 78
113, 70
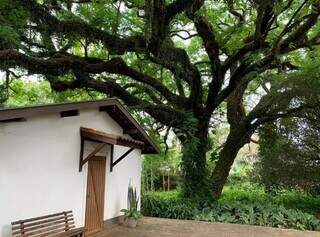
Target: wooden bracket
92, 154
108, 140
113, 164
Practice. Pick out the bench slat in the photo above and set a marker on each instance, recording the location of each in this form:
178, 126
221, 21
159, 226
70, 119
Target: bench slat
46, 232
52, 232
58, 224
69, 218
38, 227
40, 218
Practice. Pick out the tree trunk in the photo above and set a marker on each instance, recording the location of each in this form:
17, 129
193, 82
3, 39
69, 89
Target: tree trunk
197, 183
151, 181
237, 138
168, 182
163, 183
194, 164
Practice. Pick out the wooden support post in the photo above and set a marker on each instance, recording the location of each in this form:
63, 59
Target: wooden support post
81, 153
111, 157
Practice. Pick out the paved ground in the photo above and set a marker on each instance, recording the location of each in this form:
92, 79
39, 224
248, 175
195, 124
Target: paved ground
156, 227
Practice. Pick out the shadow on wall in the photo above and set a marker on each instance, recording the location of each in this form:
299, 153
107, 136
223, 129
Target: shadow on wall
6, 231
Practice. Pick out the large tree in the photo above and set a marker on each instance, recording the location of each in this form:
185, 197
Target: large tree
179, 61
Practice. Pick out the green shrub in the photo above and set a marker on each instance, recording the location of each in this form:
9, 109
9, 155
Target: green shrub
252, 193
245, 193
236, 206
167, 205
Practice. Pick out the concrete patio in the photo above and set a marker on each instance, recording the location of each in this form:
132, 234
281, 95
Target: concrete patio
156, 227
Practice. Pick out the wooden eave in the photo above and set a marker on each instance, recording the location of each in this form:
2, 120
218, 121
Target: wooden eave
102, 137
106, 139
131, 127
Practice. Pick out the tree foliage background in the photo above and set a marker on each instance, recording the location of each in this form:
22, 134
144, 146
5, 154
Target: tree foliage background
187, 64
289, 154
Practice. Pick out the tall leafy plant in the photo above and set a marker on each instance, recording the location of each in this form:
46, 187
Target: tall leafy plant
132, 204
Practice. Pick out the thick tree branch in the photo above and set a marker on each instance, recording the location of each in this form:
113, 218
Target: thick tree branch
264, 20
161, 113
257, 41
276, 105
115, 44
212, 48
178, 6
265, 63
301, 30
140, 89
61, 65
269, 117
211, 45
248, 47
289, 25
240, 74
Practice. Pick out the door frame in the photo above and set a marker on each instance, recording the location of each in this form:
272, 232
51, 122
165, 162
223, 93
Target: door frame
102, 189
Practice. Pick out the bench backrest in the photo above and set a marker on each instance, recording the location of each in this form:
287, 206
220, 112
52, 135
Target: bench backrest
44, 225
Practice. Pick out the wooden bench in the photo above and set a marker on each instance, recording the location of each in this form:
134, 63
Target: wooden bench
54, 225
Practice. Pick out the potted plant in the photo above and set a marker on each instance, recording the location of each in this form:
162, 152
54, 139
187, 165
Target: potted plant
132, 214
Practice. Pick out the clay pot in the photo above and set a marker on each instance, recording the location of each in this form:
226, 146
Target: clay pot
131, 222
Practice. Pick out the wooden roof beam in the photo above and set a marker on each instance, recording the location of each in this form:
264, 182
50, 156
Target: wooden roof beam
99, 136
130, 131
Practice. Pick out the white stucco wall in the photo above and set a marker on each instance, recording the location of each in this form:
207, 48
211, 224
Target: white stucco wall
117, 182
39, 162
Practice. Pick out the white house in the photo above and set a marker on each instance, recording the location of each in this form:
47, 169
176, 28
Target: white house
75, 156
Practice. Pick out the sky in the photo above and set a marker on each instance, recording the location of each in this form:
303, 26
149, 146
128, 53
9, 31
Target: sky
30, 78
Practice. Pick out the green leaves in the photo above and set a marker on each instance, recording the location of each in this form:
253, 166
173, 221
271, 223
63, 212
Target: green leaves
288, 150
133, 200
13, 20
137, 3
3, 94
167, 205
171, 205
26, 93
96, 13
8, 37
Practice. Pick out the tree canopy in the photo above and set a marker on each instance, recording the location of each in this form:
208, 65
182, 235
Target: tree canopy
179, 61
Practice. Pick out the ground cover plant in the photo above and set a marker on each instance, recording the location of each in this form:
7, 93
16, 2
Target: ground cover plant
293, 199
242, 204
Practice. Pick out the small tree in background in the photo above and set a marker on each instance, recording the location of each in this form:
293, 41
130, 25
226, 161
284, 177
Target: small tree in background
162, 172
